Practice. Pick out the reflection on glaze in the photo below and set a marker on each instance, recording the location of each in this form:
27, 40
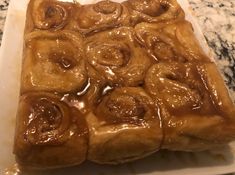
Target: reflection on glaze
126, 105
100, 16
49, 121
49, 126
116, 125
119, 59
56, 56
153, 11
175, 41
14, 170
180, 87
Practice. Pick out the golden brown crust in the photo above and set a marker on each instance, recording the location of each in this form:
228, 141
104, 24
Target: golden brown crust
101, 16
49, 15
191, 103
49, 133
58, 56
153, 11
114, 82
172, 41
115, 127
116, 55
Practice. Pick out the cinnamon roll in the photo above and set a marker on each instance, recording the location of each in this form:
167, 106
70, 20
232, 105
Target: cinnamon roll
153, 10
115, 127
53, 61
100, 16
170, 41
49, 133
48, 14
117, 56
195, 104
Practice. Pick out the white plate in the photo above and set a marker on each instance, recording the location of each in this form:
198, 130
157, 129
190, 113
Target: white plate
164, 163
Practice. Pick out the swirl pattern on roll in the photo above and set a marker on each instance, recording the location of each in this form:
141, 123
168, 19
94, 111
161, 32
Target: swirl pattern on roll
179, 86
153, 10
173, 41
57, 56
117, 56
127, 105
50, 14
121, 115
45, 122
190, 113
100, 16
50, 122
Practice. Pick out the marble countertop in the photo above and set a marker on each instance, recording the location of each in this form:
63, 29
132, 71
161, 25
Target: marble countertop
217, 21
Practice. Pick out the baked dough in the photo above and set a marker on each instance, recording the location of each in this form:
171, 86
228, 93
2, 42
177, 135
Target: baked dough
197, 112
114, 82
116, 55
58, 56
49, 133
174, 41
117, 124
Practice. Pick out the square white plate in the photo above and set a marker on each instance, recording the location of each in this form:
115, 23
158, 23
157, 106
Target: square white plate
163, 163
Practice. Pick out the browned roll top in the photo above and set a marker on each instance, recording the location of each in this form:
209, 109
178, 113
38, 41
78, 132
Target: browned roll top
117, 56
174, 41
48, 124
180, 86
126, 105
153, 10
190, 107
50, 14
100, 16
123, 114
59, 56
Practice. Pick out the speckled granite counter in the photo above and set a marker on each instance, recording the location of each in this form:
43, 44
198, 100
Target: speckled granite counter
3, 11
217, 21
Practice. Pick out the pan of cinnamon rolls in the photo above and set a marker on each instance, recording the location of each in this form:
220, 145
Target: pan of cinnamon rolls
115, 82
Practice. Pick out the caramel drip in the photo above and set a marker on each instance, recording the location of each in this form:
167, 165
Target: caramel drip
126, 105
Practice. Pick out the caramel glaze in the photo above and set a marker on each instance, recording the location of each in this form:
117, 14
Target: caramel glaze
91, 18
48, 125
59, 56
46, 115
181, 88
175, 41
49, 14
96, 61
116, 55
125, 106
